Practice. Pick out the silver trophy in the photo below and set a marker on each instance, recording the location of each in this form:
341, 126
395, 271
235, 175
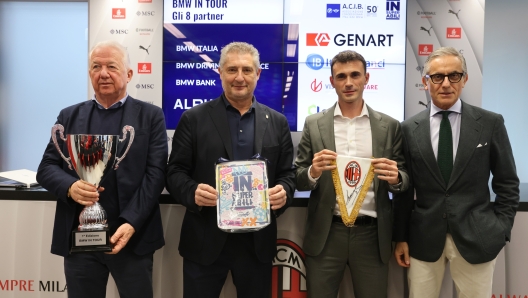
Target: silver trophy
91, 157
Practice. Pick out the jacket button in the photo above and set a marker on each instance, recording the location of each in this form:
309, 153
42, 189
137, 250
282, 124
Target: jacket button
444, 215
447, 195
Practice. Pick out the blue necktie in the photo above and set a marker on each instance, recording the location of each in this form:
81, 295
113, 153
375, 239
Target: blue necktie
445, 147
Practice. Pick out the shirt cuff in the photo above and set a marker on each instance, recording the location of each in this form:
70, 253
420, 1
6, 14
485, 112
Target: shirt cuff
313, 181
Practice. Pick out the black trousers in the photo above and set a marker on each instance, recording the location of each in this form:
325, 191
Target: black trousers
87, 274
251, 277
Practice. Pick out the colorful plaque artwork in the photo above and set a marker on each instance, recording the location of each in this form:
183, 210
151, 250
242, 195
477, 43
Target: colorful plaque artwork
243, 204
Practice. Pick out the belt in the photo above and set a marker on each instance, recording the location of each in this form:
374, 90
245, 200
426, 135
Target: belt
360, 220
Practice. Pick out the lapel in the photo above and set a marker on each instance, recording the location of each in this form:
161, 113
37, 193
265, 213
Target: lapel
262, 119
378, 129
470, 130
131, 111
422, 140
218, 115
326, 128
82, 121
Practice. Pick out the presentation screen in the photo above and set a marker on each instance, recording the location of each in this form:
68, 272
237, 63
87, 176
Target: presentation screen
296, 40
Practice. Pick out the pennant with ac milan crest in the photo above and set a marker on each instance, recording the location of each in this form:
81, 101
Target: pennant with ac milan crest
352, 179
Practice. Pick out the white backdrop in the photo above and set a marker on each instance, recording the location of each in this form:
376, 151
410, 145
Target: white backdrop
28, 270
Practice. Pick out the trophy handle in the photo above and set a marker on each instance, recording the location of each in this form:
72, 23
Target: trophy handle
60, 128
126, 129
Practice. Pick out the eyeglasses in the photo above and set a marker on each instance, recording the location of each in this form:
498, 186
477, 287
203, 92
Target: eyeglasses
439, 78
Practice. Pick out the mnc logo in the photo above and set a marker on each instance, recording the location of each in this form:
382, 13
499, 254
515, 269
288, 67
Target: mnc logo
393, 9
315, 61
333, 11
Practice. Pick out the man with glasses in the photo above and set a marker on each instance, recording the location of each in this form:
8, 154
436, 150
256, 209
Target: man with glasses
450, 150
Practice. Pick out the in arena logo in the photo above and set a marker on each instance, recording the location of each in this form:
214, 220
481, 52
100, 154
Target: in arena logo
288, 279
352, 173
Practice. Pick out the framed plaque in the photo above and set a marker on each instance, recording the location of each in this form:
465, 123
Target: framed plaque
243, 203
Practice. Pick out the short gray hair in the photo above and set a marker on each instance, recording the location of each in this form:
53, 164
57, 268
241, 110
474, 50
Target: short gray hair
240, 48
113, 44
444, 51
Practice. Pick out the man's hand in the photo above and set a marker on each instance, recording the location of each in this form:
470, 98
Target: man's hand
121, 237
386, 169
205, 195
322, 161
84, 193
277, 197
401, 253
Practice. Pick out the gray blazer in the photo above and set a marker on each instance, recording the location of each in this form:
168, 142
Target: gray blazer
318, 134
479, 228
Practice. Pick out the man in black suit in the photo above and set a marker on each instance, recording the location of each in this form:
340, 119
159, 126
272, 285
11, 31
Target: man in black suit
236, 127
130, 195
450, 150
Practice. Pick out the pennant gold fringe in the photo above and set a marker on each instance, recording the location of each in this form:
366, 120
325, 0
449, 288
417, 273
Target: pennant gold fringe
349, 219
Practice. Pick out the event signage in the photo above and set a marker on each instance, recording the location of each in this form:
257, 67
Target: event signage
292, 40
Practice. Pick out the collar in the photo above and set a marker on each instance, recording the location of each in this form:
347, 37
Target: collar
116, 105
457, 108
364, 111
227, 104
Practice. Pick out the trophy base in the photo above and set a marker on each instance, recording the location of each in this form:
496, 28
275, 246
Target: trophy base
91, 241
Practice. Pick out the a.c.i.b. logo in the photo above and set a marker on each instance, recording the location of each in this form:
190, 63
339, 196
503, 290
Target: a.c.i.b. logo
288, 279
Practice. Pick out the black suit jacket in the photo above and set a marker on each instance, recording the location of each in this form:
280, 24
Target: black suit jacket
201, 138
140, 177
479, 228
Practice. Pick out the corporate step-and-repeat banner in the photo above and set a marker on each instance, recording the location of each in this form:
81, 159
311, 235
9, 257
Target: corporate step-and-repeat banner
432, 24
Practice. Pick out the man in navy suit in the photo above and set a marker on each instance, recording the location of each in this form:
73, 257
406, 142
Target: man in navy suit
236, 127
450, 150
129, 195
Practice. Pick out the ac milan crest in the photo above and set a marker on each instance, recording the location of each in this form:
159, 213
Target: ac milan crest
352, 173
289, 271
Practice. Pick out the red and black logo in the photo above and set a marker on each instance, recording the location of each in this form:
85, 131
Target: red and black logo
288, 279
352, 173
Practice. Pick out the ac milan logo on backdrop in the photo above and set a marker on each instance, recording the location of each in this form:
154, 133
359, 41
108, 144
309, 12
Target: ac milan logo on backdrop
352, 173
288, 277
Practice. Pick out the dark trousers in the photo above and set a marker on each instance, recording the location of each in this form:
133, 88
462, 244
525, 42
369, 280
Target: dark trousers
355, 247
87, 274
251, 277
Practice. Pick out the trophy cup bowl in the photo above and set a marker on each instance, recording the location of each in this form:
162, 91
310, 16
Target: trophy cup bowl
91, 156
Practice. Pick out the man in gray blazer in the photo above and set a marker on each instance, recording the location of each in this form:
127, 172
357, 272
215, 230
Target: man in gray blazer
450, 150
349, 128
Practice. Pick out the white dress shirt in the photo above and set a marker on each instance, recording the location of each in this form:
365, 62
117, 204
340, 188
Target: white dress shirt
353, 137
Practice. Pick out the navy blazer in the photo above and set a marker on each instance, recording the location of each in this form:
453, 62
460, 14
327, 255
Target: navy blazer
201, 138
140, 177
479, 228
